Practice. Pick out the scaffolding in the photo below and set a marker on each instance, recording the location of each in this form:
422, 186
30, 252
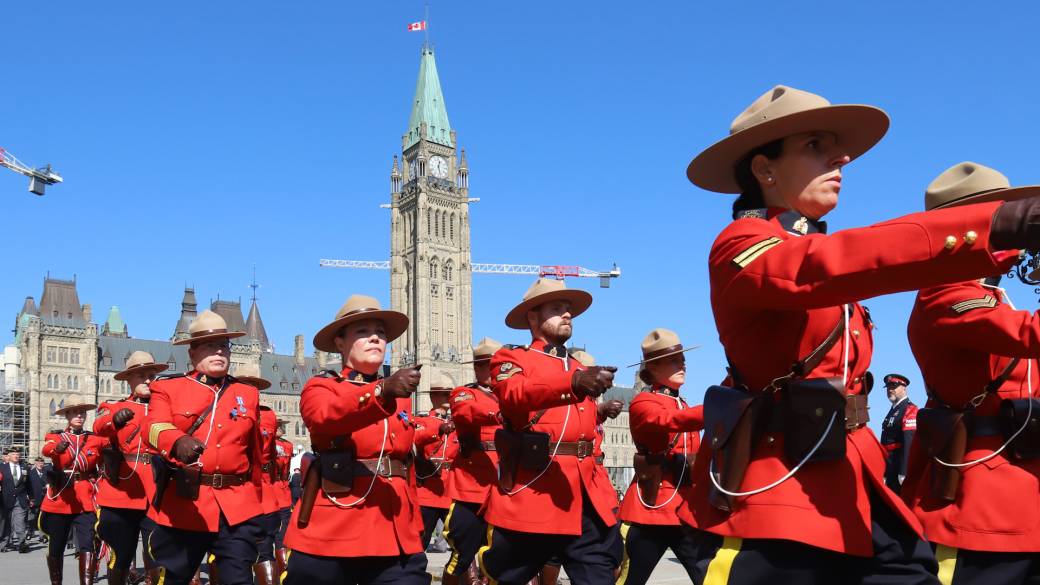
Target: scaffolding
14, 416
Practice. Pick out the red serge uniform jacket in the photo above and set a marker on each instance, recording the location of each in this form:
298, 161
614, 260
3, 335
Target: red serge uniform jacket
527, 380
268, 460
136, 483
231, 433
81, 458
963, 336
658, 418
380, 517
284, 452
475, 412
776, 295
432, 492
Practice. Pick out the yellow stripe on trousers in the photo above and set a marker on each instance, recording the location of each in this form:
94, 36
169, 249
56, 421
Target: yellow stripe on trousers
623, 574
722, 564
111, 550
453, 560
285, 569
480, 556
947, 557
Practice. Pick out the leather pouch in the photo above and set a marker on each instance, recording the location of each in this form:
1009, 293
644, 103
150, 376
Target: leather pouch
113, 460
730, 430
507, 444
187, 479
337, 472
681, 468
943, 433
1013, 414
808, 406
649, 472
534, 450
425, 469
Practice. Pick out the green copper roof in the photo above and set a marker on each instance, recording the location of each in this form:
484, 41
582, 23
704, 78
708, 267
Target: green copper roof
114, 324
429, 105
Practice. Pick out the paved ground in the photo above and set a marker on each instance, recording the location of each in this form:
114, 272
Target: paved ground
31, 568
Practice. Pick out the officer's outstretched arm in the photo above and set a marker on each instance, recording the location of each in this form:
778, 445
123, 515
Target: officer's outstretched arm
466, 412
754, 266
333, 407
518, 394
645, 414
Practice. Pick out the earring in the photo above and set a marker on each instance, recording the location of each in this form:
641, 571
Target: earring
769, 180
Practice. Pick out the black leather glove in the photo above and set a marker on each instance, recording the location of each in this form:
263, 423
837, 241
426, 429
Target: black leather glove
61, 447
1016, 225
609, 409
401, 383
121, 417
187, 449
446, 428
593, 381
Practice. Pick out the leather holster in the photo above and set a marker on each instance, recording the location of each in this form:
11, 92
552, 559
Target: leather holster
113, 460
507, 443
649, 470
1013, 415
808, 406
944, 434
337, 472
187, 479
731, 431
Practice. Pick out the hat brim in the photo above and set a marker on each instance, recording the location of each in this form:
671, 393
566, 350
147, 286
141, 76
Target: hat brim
858, 128
1009, 194
74, 407
669, 354
259, 383
486, 358
579, 299
208, 336
395, 323
140, 368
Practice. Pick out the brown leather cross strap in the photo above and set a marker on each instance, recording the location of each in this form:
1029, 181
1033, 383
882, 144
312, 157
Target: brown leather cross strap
223, 480
384, 467
856, 414
579, 449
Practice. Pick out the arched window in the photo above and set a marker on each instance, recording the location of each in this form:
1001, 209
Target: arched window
68, 382
429, 220
297, 427
433, 268
451, 227
53, 407
449, 268
437, 224
75, 382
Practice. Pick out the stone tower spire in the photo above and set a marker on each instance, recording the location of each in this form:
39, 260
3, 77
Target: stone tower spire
430, 274
255, 328
189, 310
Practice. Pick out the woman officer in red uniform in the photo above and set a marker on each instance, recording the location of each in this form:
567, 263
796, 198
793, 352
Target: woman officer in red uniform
129, 484
980, 506
363, 525
69, 501
665, 433
796, 496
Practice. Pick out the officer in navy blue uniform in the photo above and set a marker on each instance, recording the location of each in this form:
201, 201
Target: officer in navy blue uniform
897, 430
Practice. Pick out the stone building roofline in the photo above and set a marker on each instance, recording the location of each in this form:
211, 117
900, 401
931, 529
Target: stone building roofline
29, 307
231, 311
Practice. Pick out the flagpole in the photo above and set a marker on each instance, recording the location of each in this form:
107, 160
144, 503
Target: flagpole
426, 30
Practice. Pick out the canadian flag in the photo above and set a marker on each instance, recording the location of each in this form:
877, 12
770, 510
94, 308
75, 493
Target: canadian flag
421, 25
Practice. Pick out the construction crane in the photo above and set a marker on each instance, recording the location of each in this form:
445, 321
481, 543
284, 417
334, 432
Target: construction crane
557, 272
38, 178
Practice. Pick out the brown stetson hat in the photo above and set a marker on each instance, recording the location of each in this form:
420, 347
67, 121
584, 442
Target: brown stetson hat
208, 325
250, 374
441, 382
781, 112
140, 362
967, 182
358, 308
584, 358
84, 406
484, 350
661, 343
542, 291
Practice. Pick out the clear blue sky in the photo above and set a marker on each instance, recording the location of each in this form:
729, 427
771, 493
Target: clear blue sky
200, 138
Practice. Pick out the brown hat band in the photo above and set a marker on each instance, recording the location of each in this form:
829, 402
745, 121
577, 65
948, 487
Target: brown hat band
975, 194
662, 352
208, 332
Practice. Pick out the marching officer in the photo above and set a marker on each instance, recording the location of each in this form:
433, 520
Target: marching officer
897, 430
205, 424
550, 501
788, 483
358, 519
665, 432
128, 485
436, 446
975, 490
69, 502
284, 452
476, 414
264, 570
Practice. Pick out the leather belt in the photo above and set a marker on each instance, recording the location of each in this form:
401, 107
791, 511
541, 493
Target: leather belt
77, 475
223, 480
479, 445
984, 426
579, 449
139, 458
384, 467
856, 414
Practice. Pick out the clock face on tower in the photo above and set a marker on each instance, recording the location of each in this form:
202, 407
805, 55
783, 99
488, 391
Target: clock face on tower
439, 167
